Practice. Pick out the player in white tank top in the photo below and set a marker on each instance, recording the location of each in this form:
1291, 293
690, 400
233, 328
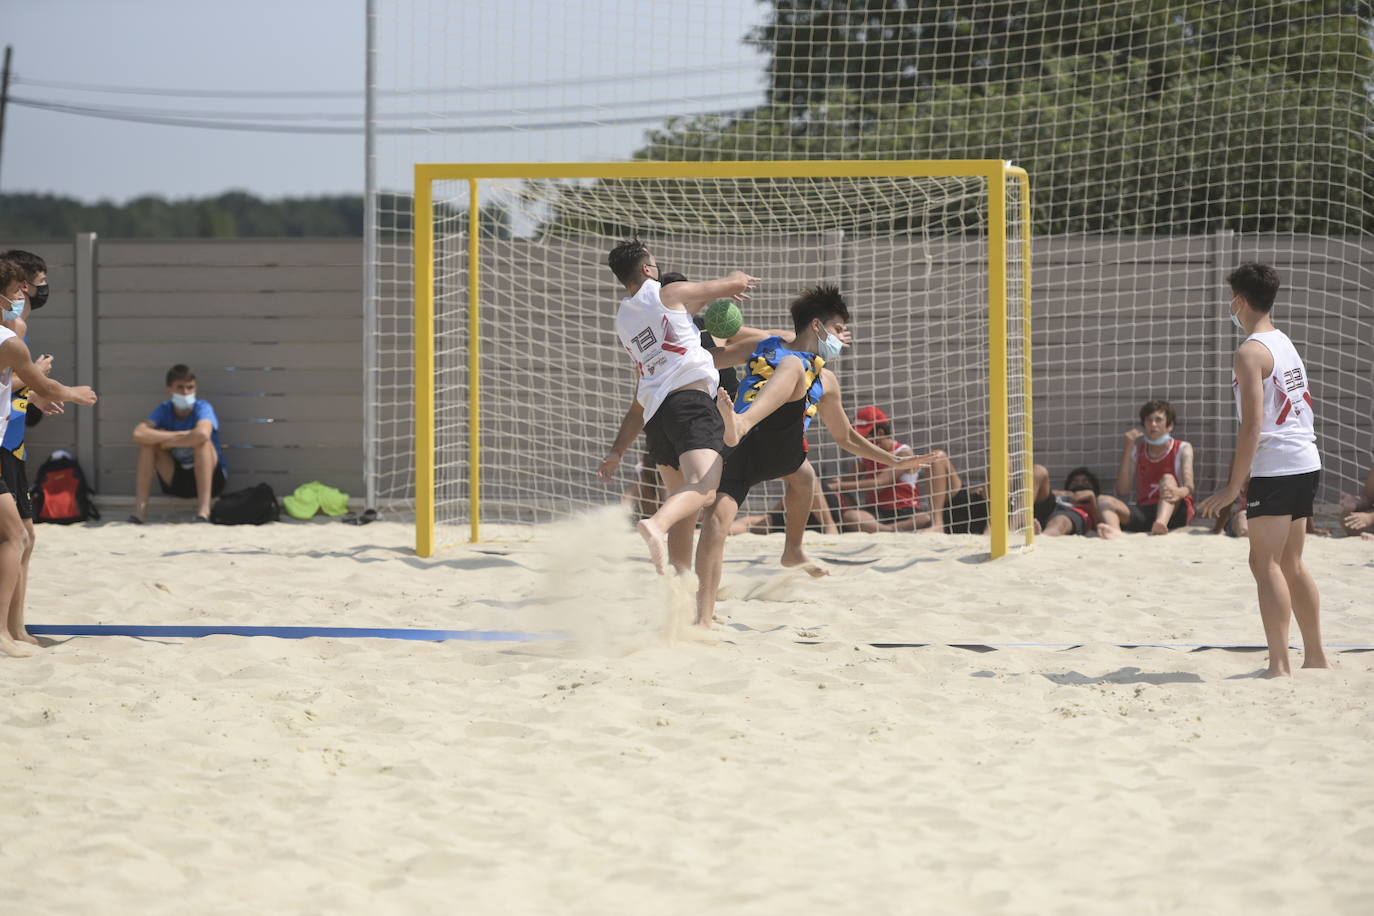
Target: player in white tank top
666, 349
1276, 453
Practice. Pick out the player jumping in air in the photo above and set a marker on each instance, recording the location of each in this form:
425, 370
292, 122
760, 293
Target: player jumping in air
1276, 448
687, 421
793, 376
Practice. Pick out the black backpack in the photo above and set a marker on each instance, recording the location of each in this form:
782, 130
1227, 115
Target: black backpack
60, 493
252, 506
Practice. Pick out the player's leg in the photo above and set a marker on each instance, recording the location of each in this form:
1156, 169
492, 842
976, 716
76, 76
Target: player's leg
797, 502
1302, 589
1042, 483
787, 384
1112, 516
1164, 509
1059, 525
680, 535
864, 521
153, 461
12, 543
944, 483
21, 589
1268, 538
207, 459
700, 472
711, 555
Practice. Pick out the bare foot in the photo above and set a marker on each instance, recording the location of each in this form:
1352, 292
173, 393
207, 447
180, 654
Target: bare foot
799, 560
658, 545
1271, 672
1108, 533
1159, 528
1367, 536
15, 649
26, 636
731, 419
1316, 660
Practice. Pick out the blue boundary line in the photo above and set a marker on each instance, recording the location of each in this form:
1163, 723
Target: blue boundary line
195, 632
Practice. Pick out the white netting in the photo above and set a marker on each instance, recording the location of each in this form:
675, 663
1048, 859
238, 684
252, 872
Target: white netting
910, 255
1168, 142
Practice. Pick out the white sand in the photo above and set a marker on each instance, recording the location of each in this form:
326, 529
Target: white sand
623, 773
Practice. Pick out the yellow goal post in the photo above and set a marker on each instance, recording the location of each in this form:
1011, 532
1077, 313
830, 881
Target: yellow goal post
453, 301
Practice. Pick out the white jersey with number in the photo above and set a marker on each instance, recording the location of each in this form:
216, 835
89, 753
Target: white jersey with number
6, 380
1288, 440
665, 346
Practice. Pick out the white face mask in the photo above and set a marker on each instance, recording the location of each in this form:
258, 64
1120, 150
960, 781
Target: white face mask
1236, 321
829, 347
15, 310
1160, 441
183, 401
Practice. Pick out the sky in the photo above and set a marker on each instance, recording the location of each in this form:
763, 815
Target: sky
500, 62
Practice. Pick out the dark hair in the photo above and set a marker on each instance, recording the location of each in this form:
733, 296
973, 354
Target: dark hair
626, 258
821, 301
1258, 283
10, 273
180, 373
882, 429
30, 263
1093, 483
1158, 406
671, 276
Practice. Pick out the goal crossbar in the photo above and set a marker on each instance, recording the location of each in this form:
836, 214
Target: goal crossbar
996, 172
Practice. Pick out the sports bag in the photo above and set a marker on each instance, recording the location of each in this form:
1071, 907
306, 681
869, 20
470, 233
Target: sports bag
251, 506
60, 493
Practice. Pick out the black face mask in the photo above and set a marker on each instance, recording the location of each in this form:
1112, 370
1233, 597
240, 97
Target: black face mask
39, 297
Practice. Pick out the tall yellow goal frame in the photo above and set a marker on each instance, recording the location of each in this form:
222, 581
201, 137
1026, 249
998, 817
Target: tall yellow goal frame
1008, 258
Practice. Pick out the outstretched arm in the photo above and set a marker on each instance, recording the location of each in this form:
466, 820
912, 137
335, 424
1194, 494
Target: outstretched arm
739, 348
833, 415
14, 353
696, 296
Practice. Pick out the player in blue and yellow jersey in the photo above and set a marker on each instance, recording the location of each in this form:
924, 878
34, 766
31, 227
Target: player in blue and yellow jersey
793, 373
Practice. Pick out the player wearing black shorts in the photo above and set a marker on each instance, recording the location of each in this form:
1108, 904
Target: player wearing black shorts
794, 370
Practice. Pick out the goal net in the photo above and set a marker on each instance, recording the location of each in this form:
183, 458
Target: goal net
523, 383
1169, 142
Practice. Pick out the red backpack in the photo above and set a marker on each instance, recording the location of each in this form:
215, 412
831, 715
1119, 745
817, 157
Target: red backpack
60, 492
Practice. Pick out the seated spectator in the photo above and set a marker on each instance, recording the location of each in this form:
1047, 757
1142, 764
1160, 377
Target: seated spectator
892, 498
179, 443
1080, 508
1156, 472
825, 509
1358, 510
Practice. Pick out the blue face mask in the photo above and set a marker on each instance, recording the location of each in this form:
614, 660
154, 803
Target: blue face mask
1160, 441
15, 310
183, 401
829, 347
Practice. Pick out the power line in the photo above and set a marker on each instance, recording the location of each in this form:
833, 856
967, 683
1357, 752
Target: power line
395, 115
210, 124
357, 93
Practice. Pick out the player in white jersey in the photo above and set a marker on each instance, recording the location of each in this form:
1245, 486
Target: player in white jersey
16, 364
686, 424
1276, 449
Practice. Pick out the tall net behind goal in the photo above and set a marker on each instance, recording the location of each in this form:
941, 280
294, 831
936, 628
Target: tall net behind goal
932, 273
1169, 142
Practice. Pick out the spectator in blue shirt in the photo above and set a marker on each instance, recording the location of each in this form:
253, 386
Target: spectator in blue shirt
179, 443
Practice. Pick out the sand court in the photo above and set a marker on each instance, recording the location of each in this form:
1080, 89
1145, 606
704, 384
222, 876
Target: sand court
785, 764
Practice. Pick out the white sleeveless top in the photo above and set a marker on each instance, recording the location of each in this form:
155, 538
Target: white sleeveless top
1288, 440
665, 346
6, 380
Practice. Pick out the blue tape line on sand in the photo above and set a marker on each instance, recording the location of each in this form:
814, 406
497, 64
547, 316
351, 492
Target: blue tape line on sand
284, 632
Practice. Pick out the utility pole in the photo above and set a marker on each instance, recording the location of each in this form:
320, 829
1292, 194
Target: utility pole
5, 97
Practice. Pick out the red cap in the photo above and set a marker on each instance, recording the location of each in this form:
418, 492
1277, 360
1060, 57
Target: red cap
869, 417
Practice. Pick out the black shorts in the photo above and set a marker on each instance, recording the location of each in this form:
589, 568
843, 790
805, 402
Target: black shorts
183, 482
765, 454
16, 481
1291, 495
1076, 518
1044, 509
1143, 517
685, 421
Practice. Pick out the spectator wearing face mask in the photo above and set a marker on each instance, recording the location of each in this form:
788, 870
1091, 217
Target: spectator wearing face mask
1156, 472
179, 443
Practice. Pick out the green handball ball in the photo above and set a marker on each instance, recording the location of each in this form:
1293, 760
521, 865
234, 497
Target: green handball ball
723, 319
